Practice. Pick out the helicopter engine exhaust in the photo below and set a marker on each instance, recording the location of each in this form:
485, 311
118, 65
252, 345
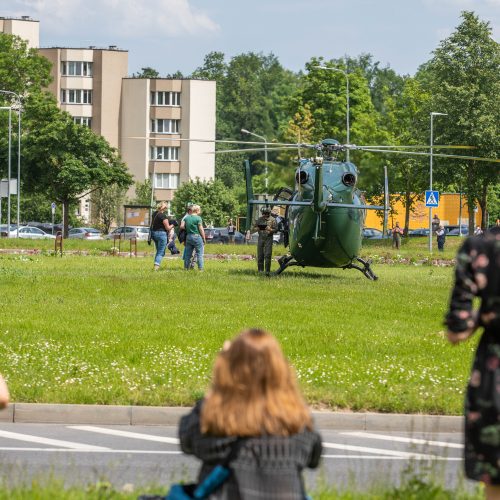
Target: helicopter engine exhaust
349, 179
301, 177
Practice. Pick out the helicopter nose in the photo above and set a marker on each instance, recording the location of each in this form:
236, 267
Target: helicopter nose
349, 179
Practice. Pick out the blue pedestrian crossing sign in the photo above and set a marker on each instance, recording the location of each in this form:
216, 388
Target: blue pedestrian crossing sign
432, 198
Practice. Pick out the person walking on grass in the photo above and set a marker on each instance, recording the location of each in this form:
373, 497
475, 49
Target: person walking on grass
195, 237
159, 231
477, 275
254, 413
231, 230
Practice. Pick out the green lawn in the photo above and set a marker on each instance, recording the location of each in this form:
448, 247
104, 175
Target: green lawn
96, 329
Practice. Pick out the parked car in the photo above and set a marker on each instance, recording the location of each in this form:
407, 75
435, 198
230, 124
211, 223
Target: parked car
32, 233
3, 229
47, 227
220, 235
413, 233
457, 231
142, 232
84, 233
371, 233
277, 238
124, 232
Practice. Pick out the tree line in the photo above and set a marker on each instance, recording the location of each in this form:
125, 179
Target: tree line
62, 160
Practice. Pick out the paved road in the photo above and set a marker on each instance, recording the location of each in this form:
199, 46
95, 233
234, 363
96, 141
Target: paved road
144, 455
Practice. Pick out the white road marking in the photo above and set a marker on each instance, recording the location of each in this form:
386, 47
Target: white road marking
50, 442
403, 439
125, 434
165, 452
377, 451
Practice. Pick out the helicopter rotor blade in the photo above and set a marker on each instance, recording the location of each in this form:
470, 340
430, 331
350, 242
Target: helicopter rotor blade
416, 147
220, 141
243, 150
437, 155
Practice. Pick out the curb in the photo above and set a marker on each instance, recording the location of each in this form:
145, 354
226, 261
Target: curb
164, 415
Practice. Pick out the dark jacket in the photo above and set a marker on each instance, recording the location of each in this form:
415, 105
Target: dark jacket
266, 467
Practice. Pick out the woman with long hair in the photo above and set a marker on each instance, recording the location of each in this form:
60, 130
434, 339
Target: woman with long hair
253, 407
160, 227
477, 275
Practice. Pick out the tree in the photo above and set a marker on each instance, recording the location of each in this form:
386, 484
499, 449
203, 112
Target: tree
147, 72
143, 192
217, 202
463, 79
406, 114
105, 203
67, 161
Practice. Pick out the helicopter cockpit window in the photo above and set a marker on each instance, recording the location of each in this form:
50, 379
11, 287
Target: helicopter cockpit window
301, 177
349, 179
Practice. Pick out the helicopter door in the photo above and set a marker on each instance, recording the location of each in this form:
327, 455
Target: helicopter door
284, 194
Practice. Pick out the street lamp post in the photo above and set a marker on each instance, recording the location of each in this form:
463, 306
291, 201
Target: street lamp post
346, 74
245, 131
433, 114
8, 92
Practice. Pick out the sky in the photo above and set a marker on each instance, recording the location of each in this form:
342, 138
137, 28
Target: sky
171, 35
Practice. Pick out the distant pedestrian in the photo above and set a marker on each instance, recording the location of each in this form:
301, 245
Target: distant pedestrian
497, 223
248, 236
4, 393
231, 230
477, 275
171, 238
195, 237
397, 232
159, 230
255, 413
478, 231
441, 237
435, 223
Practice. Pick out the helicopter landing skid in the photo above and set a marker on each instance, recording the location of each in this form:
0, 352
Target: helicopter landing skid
284, 262
366, 269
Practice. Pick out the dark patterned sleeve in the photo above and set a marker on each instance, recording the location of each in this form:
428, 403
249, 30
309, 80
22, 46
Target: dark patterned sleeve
470, 279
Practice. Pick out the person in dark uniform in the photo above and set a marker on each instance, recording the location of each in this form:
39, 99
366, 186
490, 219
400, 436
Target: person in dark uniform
266, 226
478, 275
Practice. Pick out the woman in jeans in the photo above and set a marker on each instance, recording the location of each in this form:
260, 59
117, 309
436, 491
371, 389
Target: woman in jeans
195, 237
159, 232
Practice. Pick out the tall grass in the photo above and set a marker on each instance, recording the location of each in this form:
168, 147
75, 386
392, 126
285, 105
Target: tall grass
88, 329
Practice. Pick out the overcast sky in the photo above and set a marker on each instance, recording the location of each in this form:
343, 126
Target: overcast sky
171, 35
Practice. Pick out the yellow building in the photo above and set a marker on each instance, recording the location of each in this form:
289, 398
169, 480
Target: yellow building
452, 210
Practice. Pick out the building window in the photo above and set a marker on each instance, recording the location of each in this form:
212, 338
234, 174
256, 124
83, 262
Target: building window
83, 120
165, 99
76, 68
166, 181
76, 96
161, 126
167, 153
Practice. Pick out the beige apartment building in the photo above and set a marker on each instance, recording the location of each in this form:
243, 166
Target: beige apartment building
24, 27
157, 117
147, 120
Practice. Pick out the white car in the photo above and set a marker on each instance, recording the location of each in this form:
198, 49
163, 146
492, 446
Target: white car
129, 232
85, 233
32, 233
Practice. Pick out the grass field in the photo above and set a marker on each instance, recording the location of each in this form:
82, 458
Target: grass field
97, 329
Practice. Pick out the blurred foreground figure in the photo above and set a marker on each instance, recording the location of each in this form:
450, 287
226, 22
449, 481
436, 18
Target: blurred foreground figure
478, 275
4, 393
255, 416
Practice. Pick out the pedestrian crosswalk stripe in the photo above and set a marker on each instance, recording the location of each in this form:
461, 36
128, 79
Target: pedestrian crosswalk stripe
50, 442
399, 439
125, 434
378, 451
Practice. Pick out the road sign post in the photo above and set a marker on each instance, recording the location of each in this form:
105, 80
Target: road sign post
53, 209
431, 201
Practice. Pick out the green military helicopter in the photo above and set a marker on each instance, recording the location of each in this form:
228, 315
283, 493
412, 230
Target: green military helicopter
324, 213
